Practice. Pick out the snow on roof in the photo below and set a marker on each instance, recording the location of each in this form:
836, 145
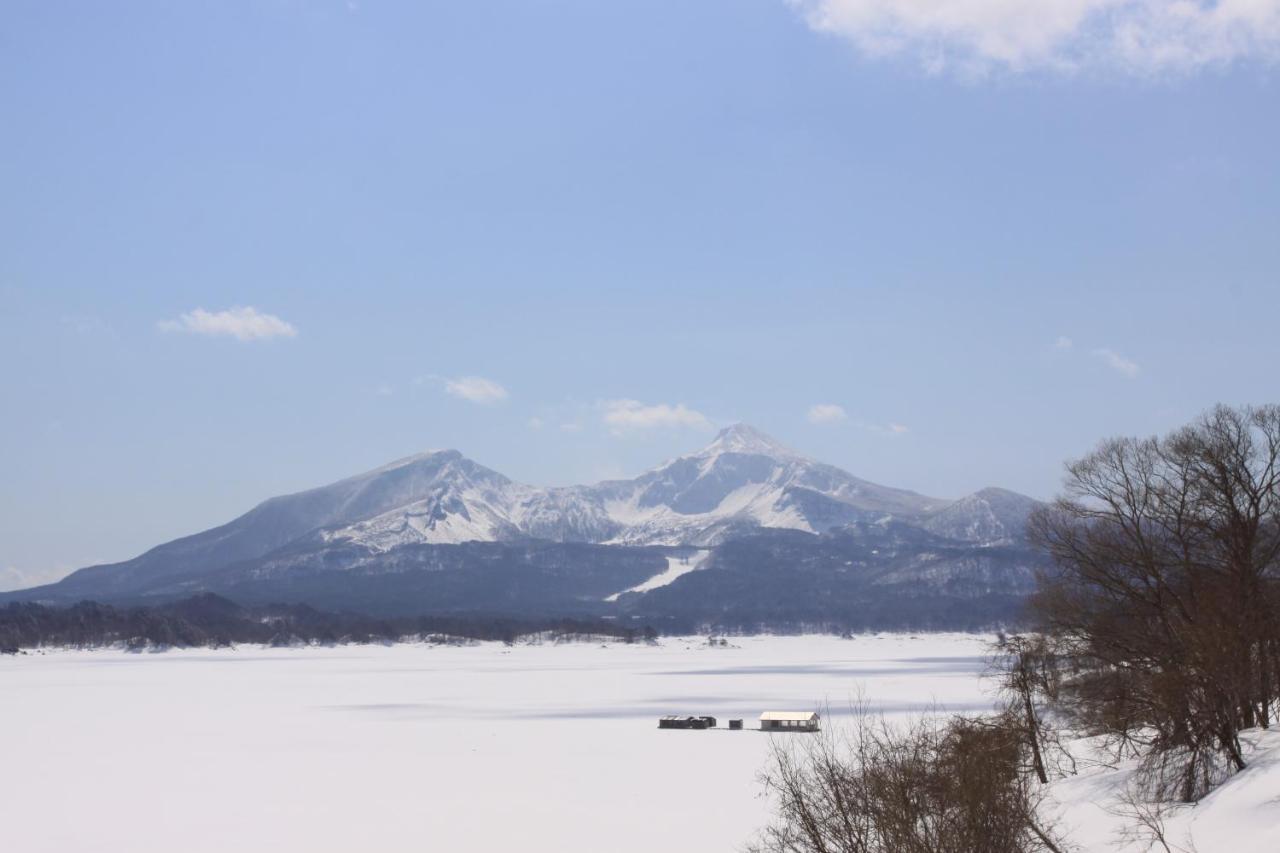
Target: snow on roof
802, 716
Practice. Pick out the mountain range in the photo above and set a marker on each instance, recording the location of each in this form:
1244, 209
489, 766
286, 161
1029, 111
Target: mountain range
744, 533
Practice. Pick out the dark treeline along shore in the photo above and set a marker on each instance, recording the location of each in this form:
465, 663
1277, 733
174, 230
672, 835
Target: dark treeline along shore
213, 621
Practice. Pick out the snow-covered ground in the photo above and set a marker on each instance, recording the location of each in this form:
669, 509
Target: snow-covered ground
1240, 816
480, 748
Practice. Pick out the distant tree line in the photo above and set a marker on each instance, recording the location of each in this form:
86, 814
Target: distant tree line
1157, 634
211, 620
208, 619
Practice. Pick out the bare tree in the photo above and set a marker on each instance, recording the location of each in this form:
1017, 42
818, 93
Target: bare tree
1027, 672
1167, 586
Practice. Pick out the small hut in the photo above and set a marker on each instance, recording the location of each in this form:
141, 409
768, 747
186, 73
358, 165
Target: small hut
789, 721
676, 722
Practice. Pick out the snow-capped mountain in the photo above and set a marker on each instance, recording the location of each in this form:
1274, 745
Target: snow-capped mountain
744, 528
452, 500
742, 480
990, 516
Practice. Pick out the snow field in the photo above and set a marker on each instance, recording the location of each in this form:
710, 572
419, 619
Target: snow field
482, 748
410, 747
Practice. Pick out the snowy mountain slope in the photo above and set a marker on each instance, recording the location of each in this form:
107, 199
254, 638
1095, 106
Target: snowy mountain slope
743, 460
742, 484
460, 502
678, 565
742, 480
990, 516
282, 520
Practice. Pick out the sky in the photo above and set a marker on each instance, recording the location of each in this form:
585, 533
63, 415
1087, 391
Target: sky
251, 248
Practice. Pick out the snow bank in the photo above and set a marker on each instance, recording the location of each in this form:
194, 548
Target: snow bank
1240, 816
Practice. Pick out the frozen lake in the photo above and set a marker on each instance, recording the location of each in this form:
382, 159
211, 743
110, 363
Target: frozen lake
412, 747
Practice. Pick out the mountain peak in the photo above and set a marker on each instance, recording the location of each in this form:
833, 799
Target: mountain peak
424, 455
743, 438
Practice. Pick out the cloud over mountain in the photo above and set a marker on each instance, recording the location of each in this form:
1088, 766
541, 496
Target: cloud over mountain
628, 415
826, 413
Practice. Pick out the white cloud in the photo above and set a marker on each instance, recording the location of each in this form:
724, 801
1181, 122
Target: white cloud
571, 426
536, 423
1133, 36
1118, 362
826, 413
477, 389
384, 389
897, 429
1063, 343
628, 415
245, 324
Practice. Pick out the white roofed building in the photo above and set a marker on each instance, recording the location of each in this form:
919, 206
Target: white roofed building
789, 721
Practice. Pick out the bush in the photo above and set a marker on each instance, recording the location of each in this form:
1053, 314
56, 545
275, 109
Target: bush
931, 786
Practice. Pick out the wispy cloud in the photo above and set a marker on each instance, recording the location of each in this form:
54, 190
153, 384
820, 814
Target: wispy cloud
970, 37
11, 577
831, 413
242, 323
476, 389
1117, 362
889, 429
826, 413
630, 415
1063, 343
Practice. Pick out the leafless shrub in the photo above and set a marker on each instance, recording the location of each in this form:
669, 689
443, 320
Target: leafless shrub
1144, 814
928, 786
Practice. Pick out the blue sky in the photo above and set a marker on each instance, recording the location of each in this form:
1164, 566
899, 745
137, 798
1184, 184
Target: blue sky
253, 247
